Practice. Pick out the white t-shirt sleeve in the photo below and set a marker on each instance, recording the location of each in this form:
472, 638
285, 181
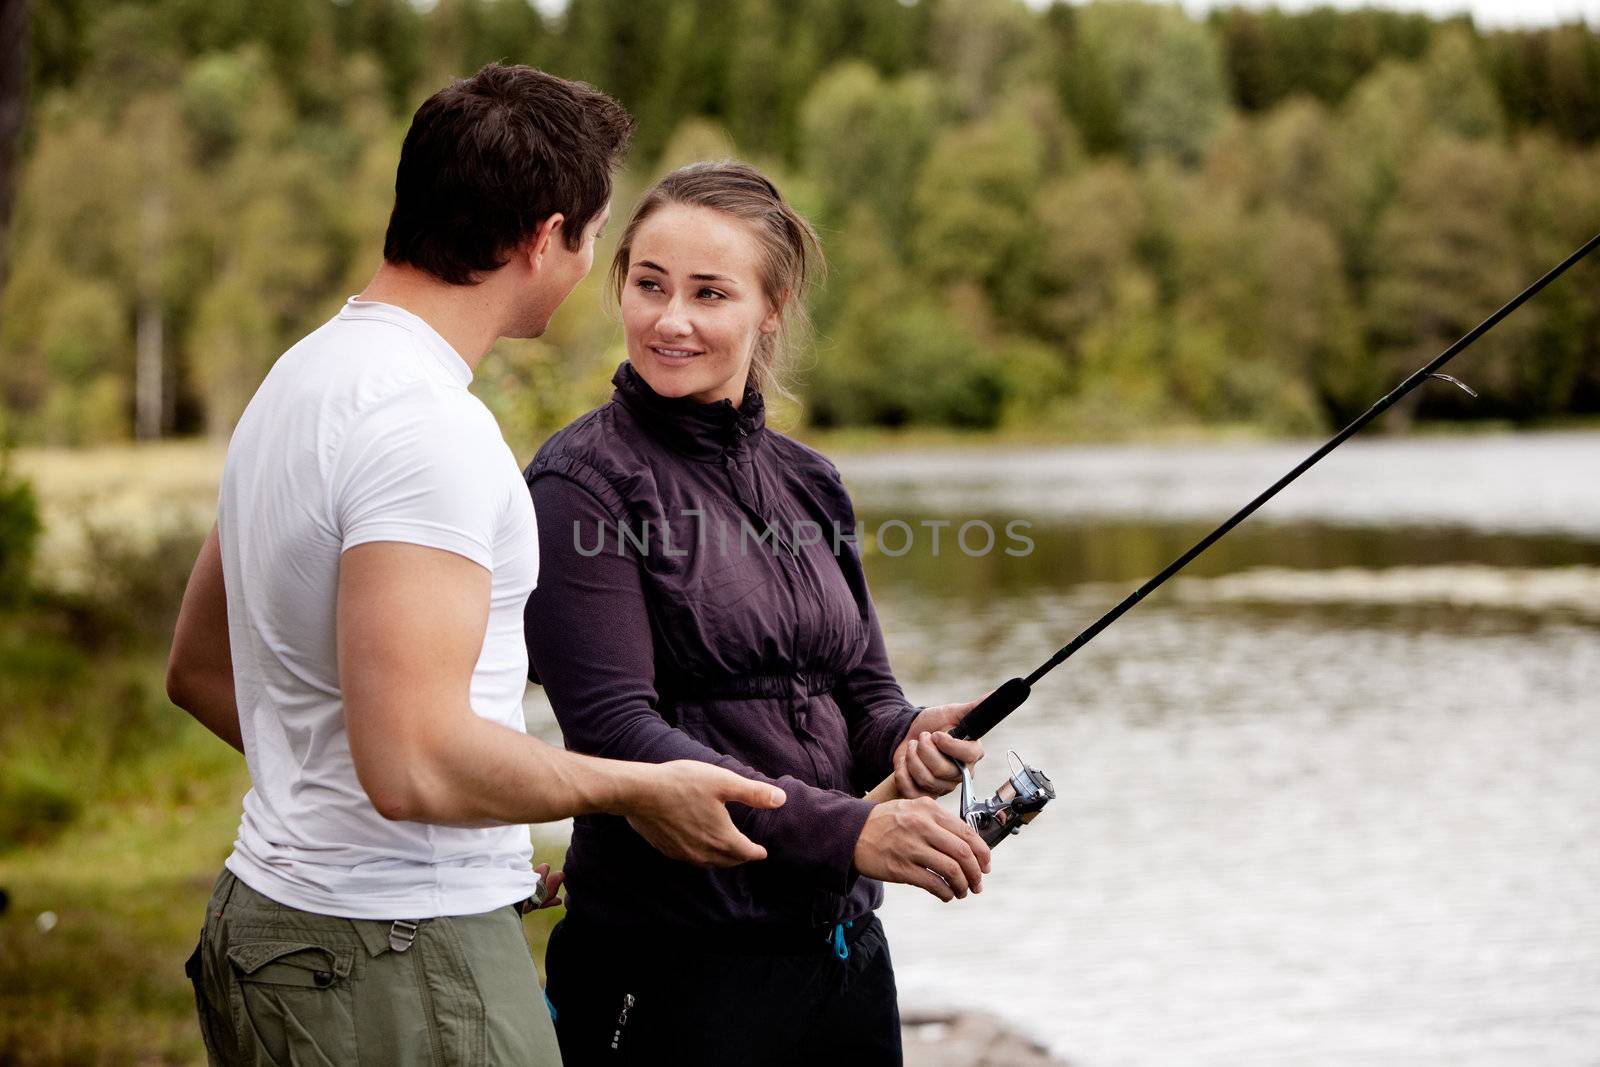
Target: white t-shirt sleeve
419, 470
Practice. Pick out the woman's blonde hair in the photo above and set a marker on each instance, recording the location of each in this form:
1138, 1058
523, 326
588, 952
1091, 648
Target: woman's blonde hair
791, 255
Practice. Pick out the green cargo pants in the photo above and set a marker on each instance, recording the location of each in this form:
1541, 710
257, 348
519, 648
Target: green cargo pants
276, 985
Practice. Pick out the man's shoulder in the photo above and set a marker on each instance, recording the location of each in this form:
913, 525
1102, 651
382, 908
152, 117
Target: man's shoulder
378, 372
343, 370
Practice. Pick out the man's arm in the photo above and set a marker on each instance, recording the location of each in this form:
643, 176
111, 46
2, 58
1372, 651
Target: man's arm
411, 623
200, 665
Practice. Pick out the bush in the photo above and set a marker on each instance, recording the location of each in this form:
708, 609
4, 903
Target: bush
917, 367
19, 535
135, 583
35, 803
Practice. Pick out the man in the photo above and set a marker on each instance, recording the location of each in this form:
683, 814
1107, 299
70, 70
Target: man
354, 626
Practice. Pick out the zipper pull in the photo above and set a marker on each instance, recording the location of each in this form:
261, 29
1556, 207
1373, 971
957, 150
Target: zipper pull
622, 1021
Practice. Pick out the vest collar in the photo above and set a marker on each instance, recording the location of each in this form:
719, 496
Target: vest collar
700, 431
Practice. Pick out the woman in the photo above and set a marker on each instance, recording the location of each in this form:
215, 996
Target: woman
700, 597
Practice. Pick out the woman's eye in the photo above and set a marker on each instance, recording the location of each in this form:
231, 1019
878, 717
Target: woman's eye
712, 294
647, 284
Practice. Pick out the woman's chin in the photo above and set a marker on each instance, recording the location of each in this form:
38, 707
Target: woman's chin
669, 379
694, 377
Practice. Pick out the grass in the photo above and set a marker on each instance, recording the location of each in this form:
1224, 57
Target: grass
127, 883
128, 886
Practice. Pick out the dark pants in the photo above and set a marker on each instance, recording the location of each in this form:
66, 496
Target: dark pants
620, 1000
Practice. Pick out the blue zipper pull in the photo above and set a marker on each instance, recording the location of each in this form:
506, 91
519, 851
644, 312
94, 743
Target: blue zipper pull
840, 949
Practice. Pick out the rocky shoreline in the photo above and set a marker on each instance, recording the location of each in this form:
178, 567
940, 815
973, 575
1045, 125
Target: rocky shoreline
968, 1039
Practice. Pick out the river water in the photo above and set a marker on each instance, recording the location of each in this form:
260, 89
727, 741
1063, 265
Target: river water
1333, 799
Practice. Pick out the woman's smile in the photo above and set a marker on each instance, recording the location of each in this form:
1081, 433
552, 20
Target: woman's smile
675, 355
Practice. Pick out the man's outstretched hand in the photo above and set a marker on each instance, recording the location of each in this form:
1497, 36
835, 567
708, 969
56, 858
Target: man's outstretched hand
682, 810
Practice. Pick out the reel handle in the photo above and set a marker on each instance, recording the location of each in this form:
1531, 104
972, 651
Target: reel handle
977, 722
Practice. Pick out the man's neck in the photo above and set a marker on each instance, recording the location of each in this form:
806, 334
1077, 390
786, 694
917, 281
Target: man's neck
464, 315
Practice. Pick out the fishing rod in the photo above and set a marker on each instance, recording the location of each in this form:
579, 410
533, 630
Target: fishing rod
1020, 799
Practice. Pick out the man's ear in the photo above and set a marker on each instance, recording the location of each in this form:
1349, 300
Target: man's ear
542, 240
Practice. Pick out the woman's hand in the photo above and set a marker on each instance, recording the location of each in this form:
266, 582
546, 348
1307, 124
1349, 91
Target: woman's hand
918, 843
928, 762
549, 894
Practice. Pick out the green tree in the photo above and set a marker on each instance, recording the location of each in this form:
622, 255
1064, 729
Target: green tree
637, 55
1124, 374
14, 41
1549, 77
1447, 256
1377, 135
1323, 52
1556, 208
486, 31
1167, 71
1296, 161
272, 236
389, 30
1088, 95
1270, 216
865, 140
1264, 340
983, 49
755, 104
889, 353
973, 201
1461, 98
1089, 231
93, 250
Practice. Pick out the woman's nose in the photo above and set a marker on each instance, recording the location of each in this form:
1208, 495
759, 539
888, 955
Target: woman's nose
674, 321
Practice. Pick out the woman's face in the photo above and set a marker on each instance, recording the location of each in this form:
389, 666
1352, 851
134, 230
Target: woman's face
693, 306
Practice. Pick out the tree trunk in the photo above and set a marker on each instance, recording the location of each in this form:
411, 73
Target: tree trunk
150, 365
14, 40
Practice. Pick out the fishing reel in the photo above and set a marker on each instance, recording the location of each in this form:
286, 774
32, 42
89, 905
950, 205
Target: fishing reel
1014, 805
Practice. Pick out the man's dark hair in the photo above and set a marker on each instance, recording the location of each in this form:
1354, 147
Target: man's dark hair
490, 157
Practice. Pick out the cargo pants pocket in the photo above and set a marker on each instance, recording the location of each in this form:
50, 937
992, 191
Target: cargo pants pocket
291, 1002
212, 1016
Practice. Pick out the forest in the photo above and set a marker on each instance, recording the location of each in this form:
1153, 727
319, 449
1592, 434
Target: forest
1075, 221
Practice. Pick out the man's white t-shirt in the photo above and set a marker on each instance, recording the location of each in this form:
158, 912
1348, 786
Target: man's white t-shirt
364, 431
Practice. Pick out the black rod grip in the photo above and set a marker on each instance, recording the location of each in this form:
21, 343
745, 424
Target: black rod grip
991, 709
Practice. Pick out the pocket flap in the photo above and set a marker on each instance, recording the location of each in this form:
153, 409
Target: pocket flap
290, 962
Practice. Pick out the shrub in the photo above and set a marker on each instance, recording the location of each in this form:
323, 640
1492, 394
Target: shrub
19, 535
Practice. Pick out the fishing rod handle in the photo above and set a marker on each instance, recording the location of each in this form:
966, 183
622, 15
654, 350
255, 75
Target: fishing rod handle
977, 722
991, 709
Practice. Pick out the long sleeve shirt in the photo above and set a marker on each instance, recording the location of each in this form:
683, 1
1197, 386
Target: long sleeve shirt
701, 597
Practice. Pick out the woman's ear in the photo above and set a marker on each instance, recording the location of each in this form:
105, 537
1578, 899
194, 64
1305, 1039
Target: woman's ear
774, 317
